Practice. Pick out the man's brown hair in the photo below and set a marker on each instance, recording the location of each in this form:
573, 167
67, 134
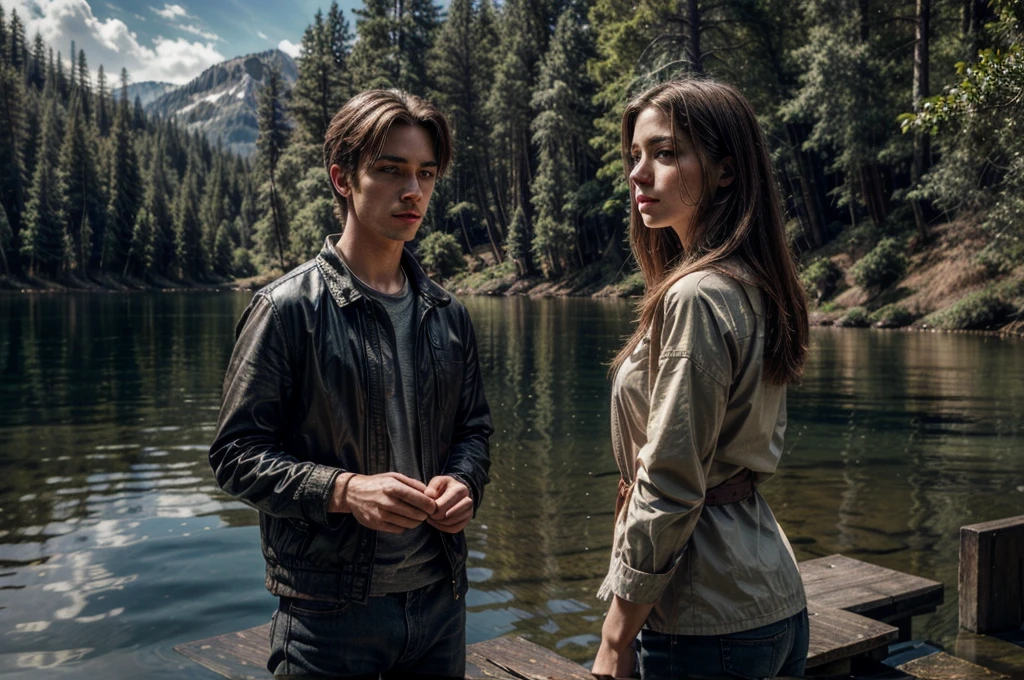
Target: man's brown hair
359, 129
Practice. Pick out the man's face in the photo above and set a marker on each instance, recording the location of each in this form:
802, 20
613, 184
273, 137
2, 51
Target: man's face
394, 189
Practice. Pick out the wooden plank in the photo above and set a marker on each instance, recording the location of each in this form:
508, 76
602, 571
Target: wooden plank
838, 634
520, 658
241, 655
942, 666
840, 582
991, 582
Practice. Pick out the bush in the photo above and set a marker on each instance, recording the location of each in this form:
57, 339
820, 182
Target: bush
820, 278
856, 317
242, 264
441, 254
981, 310
884, 265
892, 316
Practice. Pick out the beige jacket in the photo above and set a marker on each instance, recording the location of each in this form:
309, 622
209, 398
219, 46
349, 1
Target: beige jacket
710, 570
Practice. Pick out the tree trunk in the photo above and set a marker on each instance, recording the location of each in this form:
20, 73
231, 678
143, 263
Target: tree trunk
693, 38
921, 140
809, 185
277, 220
488, 220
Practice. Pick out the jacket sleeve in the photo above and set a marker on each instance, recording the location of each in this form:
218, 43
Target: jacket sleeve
469, 458
688, 404
248, 455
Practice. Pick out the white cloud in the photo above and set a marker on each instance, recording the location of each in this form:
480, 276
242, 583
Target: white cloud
195, 30
111, 43
263, 35
171, 11
290, 48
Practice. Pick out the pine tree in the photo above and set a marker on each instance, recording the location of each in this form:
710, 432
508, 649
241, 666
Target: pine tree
124, 188
42, 242
84, 84
12, 132
6, 234
561, 131
374, 62
156, 203
36, 74
17, 55
188, 231
462, 70
416, 22
313, 86
78, 179
4, 50
103, 103
270, 144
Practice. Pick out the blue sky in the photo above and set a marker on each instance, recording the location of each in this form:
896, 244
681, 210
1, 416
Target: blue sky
168, 41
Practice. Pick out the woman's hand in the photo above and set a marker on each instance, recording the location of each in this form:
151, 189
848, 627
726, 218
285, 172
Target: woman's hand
614, 663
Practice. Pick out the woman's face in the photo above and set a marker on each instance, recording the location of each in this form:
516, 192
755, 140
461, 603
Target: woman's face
666, 180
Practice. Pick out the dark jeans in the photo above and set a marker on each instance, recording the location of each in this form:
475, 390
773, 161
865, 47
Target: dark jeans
421, 632
776, 649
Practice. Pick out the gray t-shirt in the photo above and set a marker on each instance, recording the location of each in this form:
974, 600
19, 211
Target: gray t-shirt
415, 558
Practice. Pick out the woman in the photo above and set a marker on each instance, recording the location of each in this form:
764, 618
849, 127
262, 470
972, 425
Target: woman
699, 400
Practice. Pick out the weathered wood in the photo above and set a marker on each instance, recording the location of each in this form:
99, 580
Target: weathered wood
837, 635
849, 602
239, 655
992, 575
840, 582
942, 666
519, 658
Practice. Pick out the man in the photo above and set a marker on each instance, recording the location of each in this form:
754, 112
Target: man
354, 420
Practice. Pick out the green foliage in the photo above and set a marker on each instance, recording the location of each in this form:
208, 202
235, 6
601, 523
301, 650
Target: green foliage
6, 236
884, 265
241, 263
978, 128
820, 278
323, 83
855, 317
440, 254
892, 316
984, 309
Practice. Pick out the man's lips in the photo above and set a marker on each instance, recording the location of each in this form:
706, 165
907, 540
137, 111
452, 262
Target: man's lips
410, 216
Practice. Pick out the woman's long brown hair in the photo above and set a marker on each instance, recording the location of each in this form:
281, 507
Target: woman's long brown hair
742, 220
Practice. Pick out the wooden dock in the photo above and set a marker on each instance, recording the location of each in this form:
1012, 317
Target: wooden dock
856, 611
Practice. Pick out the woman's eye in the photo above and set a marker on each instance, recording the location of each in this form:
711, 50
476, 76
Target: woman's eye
663, 153
633, 160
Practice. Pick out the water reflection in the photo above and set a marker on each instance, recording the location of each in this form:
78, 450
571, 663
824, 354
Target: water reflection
115, 543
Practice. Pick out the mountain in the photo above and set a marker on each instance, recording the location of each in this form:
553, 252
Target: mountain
221, 102
147, 91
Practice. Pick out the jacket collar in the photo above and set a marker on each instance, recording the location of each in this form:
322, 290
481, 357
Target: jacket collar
344, 291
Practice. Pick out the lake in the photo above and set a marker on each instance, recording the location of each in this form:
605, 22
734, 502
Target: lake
116, 544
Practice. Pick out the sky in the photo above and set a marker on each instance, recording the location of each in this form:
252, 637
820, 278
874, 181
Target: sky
168, 42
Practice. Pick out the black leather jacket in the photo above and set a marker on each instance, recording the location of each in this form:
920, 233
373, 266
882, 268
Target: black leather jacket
304, 401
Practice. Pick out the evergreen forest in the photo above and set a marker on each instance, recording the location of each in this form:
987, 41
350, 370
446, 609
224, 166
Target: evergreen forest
887, 120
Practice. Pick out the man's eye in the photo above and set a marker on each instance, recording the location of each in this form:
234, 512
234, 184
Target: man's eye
426, 174
389, 169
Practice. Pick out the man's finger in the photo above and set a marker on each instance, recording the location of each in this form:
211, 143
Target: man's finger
409, 481
452, 495
461, 509
415, 498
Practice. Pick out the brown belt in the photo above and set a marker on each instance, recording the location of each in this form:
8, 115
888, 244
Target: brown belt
737, 488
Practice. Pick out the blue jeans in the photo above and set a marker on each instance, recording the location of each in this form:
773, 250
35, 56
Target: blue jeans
421, 632
779, 648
